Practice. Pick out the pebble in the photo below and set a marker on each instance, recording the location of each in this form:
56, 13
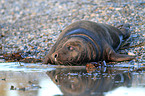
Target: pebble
33, 26
131, 53
2, 60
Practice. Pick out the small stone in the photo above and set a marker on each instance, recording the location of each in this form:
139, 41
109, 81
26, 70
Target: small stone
2, 60
2, 11
144, 35
118, 9
134, 35
131, 53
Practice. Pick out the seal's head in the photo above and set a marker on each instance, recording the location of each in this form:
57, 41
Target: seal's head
73, 52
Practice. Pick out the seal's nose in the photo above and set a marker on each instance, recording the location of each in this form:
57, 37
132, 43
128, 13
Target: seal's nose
56, 55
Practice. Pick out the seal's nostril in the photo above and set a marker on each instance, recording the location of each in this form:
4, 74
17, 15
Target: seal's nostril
55, 55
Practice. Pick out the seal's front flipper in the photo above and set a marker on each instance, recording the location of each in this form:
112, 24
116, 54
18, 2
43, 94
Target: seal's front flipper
113, 56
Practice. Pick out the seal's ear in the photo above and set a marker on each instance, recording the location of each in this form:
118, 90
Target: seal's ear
113, 56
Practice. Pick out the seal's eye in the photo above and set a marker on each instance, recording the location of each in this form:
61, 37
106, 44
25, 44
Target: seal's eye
70, 48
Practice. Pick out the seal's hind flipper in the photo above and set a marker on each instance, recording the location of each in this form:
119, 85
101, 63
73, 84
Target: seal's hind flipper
113, 56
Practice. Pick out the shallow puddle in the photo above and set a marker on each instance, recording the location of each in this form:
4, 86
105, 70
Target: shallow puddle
44, 80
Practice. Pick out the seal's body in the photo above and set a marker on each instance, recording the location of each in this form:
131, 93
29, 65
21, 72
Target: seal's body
86, 41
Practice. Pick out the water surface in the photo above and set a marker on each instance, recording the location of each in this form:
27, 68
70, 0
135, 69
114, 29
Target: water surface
44, 80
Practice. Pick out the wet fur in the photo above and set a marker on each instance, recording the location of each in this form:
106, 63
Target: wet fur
92, 42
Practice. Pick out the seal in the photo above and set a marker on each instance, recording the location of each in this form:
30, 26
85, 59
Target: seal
85, 85
86, 41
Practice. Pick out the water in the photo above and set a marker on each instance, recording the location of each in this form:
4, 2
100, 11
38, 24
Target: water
43, 80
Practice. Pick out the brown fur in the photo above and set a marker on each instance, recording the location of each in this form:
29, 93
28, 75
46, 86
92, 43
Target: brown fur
86, 41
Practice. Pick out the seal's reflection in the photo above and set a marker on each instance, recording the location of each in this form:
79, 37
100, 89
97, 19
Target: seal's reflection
74, 82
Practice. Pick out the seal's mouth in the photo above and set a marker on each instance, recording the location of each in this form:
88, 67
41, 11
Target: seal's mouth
55, 59
65, 62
